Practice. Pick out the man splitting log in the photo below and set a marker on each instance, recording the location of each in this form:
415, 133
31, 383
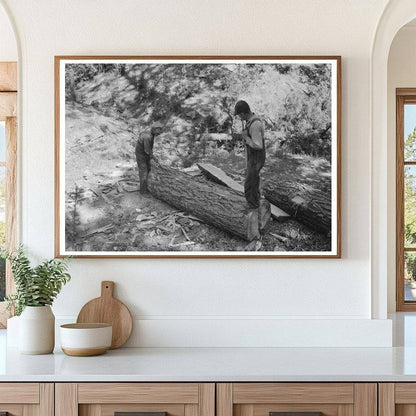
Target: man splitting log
253, 135
144, 153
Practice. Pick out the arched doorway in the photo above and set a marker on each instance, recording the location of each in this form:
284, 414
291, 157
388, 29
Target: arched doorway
396, 14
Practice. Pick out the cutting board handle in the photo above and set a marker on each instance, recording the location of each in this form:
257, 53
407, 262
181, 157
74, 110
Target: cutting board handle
107, 289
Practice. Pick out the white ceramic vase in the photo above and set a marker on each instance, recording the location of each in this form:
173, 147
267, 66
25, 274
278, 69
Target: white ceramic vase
37, 330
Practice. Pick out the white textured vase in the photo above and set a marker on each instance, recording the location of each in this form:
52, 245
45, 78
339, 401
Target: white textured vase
37, 330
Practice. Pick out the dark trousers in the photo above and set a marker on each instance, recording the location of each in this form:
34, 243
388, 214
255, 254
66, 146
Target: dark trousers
255, 162
143, 163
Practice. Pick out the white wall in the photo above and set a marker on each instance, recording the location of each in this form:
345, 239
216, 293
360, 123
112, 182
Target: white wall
8, 47
183, 300
401, 74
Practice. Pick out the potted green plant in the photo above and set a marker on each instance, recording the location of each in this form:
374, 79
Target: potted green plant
36, 289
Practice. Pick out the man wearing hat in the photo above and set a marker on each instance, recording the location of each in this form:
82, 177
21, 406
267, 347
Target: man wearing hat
144, 153
253, 135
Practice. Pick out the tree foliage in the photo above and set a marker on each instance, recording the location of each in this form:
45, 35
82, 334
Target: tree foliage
2, 279
410, 191
410, 266
194, 99
410, 206
2, 207
410, 146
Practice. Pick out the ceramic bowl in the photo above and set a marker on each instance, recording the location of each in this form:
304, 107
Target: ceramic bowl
83, 340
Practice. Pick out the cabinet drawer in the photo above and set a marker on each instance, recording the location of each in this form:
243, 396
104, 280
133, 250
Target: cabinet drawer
19, 393
138, 393
21, 399
397, 399
144, 409
297, 399
108, 399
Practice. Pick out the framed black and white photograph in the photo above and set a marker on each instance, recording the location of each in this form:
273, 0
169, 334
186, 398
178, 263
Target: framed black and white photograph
197, 156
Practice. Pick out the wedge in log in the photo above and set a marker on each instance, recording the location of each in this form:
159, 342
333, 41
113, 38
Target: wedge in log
219, 176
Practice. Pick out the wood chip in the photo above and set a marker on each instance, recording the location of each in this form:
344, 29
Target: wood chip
254, 245
103, 229
186, 243
144, 217
184, 233
279, 237
172, 241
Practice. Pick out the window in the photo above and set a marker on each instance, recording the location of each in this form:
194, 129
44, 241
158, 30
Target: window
2, 206
406, 199
8, 170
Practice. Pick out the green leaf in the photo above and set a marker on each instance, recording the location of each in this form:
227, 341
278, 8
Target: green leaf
35, 286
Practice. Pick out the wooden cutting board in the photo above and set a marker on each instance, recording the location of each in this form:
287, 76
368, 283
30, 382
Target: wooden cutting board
107, 309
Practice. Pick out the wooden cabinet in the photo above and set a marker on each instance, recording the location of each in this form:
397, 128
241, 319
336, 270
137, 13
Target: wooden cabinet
27, 399
397, 399
106, 399
297, 399
208, 399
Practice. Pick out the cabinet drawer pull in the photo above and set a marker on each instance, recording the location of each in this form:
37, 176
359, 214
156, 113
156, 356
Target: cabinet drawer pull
139, 414
296, 414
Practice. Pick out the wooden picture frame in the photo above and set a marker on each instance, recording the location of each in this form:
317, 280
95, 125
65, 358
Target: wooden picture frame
104, 104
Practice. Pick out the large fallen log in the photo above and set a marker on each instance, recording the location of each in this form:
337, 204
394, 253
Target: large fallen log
216, 205
308, 205
219, 176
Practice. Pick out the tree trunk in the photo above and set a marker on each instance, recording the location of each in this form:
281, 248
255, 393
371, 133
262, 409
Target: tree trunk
219, 176
310, 206
71, 78
214, 204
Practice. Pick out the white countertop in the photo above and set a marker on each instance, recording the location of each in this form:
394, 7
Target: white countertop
213, 364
